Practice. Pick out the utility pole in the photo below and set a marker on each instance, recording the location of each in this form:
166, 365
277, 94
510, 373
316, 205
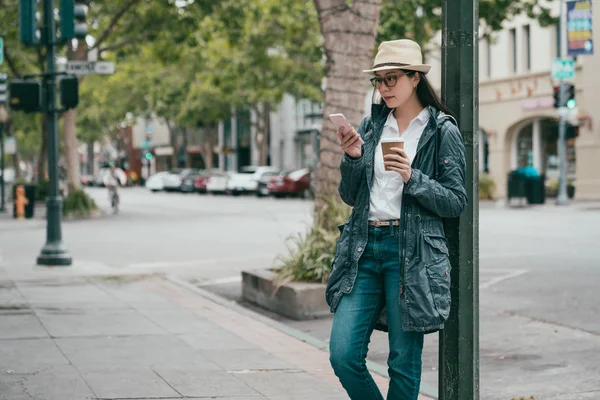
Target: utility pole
3, 118
54, 252
459, 341
562, 198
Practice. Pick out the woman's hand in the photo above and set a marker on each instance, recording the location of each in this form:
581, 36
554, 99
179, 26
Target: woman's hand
399, 163
350, 142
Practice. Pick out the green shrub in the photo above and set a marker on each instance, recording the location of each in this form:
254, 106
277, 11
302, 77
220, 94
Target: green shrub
311, 255
41, 190
487, 188
79, 204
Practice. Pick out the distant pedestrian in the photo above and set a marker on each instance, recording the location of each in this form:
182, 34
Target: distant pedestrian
391, 270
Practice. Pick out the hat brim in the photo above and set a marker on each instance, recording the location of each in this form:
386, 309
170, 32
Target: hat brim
424, 68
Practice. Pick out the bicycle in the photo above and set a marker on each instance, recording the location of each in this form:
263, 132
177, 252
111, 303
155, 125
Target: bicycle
114, 201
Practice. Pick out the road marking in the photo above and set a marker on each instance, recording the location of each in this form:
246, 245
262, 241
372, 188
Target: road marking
192, 263
499, 279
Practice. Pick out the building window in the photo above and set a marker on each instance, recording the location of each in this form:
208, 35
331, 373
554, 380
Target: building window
527, 46
513, 50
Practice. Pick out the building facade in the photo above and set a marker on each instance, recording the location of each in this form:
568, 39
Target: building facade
517, 118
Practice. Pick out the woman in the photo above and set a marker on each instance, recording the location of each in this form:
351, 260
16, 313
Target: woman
391, 270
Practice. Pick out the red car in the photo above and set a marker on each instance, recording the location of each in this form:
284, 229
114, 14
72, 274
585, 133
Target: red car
294, 184
200, 183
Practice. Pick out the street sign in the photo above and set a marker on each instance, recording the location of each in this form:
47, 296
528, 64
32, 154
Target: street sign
563, 69
580, 38
90, 67
1, 50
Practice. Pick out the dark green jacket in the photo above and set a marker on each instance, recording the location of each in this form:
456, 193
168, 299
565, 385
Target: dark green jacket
436, 190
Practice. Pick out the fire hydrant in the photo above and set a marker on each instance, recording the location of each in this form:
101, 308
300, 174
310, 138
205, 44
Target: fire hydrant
20, 202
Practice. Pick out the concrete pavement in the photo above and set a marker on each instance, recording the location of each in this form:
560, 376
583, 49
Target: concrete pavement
67, 335
538, 275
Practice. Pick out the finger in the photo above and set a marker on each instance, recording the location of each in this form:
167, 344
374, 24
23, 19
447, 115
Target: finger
351, 143
397, 158
349, 138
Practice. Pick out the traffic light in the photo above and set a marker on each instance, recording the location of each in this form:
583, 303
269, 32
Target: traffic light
25, 95
557, 96
3, 88
73, 14
569, 96
148, 156
28, 22
69, 92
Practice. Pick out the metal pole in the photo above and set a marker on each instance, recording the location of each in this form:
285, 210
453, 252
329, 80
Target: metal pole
2, 204
459, 341
54, 253
562, 198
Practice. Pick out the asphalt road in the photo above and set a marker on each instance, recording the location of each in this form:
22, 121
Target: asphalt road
539, 275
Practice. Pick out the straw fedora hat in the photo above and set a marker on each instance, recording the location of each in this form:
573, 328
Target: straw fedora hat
399, 54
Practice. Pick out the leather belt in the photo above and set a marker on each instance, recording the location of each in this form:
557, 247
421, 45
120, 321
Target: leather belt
394, 222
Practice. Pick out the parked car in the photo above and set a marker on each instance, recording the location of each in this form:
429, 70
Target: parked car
246, 181
173, 182
201, 181
217, 182
156, 182
189, 181
294, 184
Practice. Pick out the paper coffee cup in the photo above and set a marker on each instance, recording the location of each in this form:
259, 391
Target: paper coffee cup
388, 143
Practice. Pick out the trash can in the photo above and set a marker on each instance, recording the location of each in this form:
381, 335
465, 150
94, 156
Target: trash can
23, 201
516, 186
535, 189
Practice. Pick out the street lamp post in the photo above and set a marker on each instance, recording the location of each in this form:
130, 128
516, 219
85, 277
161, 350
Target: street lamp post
3, 119
459, 341
54, 252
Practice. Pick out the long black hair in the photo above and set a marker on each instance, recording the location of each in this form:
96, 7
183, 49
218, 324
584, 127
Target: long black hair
427, 96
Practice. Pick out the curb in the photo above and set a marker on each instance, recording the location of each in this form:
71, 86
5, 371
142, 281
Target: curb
426, 389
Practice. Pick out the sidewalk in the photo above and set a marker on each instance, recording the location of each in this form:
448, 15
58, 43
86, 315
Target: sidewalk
146, 337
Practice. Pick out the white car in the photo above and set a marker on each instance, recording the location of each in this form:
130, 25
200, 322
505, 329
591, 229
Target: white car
247, 180
217, 182
173, 181
156, 182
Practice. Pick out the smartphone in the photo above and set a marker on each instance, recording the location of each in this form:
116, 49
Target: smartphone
340, 120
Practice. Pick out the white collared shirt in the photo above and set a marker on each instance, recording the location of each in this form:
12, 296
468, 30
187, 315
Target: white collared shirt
386, 191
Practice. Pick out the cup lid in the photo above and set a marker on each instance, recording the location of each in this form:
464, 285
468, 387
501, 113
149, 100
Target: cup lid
392, 140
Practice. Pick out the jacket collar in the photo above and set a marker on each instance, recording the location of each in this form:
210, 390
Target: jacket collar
380, 112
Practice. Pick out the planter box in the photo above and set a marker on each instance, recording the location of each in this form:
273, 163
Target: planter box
296, 300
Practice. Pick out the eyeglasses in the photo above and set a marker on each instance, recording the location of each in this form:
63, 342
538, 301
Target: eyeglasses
390, 81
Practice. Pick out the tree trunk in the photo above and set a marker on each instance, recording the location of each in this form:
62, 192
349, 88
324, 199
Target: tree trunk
173, 141
71, 143
262, 130
43, 158
71, 154
349, 32
90, 157
264, 149
211, 136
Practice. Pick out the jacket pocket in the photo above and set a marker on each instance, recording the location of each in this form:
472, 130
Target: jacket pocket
432, 247
439, 285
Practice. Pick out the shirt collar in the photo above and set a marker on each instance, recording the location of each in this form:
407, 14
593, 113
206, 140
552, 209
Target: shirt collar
423, 118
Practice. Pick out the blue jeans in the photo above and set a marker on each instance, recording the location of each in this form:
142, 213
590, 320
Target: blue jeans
377, 286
